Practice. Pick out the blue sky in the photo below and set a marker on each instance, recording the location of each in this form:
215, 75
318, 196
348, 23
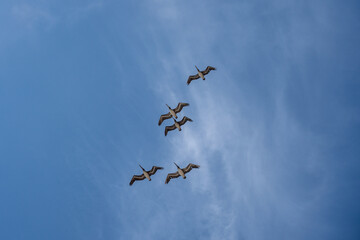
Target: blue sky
276, 127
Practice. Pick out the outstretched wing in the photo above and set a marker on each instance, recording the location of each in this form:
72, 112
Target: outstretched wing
192, 77
164, 117
169, 128
184, 120
170, 176
189, 167
207, 70
153, 170
137, 178
180, 107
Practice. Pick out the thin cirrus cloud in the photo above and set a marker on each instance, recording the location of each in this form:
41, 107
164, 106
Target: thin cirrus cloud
32, 16
255, 147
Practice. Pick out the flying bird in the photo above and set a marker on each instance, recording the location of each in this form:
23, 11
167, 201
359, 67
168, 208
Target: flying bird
146, 174
180, 172
177, 124
172, 112
200, 74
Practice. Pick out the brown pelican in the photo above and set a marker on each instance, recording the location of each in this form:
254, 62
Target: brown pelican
172, 112
200, 74
146, 174
177, 124
180, 172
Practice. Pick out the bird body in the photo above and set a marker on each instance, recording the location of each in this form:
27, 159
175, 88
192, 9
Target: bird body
200, 74
177, 125
180, 172
146, 174
172, 112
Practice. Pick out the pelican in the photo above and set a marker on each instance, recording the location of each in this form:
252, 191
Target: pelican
177, 124
172, 112
146, 174
180, 172
200, 74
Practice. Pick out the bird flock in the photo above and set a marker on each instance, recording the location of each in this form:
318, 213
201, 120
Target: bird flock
177, 125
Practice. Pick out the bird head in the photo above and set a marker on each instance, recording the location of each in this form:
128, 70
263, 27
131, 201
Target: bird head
176, 165
142, 167
197, 68
168, 106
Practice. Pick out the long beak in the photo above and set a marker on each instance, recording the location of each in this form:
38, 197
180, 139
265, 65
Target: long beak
167, 105
197, 68
176, 165
141, 167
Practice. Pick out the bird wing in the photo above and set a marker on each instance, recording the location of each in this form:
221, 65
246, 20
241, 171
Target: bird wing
180, 107
170, 176
153, 170
189, 167
164, 117
169, 128
184, 120
207, 70
192, 77
137, 178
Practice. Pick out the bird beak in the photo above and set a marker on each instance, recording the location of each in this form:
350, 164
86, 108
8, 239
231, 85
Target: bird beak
167, 105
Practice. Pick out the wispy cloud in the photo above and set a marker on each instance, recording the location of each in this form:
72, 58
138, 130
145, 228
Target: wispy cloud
246, 145
261, 167
79, 12
32, 16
